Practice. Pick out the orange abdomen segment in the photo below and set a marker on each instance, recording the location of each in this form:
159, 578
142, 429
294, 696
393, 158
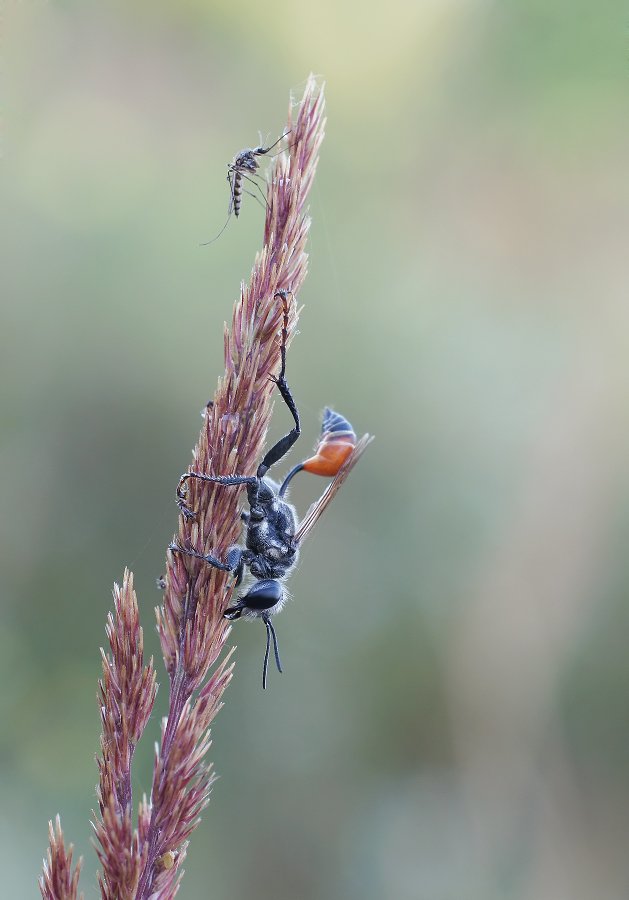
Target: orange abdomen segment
331, 454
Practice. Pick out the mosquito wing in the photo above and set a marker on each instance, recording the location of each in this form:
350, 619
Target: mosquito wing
316, 510
231, 180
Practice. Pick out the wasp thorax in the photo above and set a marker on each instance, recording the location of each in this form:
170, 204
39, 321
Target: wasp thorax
267, 491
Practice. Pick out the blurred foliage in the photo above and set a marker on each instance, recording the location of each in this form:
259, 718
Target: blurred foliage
452, 721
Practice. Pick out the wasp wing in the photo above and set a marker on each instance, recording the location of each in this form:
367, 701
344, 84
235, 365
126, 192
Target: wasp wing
316, 510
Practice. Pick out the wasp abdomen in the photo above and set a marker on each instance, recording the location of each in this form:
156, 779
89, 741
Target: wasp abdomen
335, 446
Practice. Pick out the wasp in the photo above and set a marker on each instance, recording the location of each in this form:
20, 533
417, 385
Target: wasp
244, 166
273, 533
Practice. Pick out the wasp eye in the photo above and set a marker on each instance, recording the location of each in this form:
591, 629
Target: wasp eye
263, 595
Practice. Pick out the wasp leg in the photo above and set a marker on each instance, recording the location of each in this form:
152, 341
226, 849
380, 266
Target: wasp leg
239, 571
226, 480
206, 557
235, 611
282, 447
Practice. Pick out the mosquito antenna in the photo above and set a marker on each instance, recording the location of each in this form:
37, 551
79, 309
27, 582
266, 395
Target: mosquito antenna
288, 146
260, 150
284, 149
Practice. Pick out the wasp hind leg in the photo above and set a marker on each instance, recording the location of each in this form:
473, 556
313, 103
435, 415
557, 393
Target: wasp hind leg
284, 444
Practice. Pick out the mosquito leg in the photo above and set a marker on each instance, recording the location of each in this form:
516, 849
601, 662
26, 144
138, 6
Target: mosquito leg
230, 209
250, 178
207, 243
251, 175
231, 180
282, 447
226, 480
255, 197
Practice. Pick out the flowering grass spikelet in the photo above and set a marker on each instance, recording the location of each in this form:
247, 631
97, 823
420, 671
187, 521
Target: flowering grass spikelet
145, 860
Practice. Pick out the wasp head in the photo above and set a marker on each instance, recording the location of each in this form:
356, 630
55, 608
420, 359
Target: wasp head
263, 598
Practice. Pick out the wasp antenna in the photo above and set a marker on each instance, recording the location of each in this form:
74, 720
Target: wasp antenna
265, 665
276, 649
270, 633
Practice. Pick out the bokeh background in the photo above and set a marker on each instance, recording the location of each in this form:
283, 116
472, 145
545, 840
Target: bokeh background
453, 721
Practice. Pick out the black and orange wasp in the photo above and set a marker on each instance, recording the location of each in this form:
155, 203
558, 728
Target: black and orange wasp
274, 534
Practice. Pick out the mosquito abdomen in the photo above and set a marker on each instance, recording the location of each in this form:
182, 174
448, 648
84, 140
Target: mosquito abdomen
237, 193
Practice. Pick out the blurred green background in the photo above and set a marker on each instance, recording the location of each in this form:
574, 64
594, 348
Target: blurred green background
453, 721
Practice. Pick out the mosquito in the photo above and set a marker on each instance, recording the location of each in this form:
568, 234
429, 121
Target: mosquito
273, 533
244, 166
